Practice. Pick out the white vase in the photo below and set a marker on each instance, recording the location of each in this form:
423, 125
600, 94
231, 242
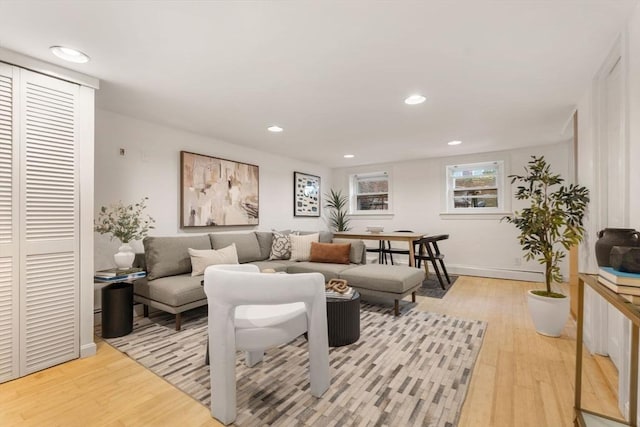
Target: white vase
125, 256
549, 314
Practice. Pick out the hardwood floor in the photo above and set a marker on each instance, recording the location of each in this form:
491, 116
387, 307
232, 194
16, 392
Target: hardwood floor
520, 379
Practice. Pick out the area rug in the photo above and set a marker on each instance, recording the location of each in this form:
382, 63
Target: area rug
408, 370
431, 286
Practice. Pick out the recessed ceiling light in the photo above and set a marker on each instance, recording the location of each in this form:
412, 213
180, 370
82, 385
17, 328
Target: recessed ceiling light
415, 99
69, 54
348, 156
275, 128
454, 142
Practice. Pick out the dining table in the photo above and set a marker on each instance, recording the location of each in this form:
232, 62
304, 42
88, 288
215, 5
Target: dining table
394, 236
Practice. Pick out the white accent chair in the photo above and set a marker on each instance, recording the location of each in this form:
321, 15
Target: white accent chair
253, 311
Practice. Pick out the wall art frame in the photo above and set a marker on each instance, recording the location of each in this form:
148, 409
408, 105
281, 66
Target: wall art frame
216, 192
306, 195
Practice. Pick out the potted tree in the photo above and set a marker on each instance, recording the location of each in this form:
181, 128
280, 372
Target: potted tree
337, 203
550, 225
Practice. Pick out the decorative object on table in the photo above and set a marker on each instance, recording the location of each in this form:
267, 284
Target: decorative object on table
625, 258
113, 275
356, 388
337, 203
306, 194
375, 228
610, 237
554, 218
217, 192
126, 223
338, 288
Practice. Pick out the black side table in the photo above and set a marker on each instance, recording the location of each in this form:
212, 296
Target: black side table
343, 320
117, 310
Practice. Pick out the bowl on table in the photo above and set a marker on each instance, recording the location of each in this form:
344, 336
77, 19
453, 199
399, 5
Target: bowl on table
375, 229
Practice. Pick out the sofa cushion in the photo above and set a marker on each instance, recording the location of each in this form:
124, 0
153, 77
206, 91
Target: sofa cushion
274, 265
324, 236
336, 253
329, 271
173, 290
358, 252
168, 256
203, 258
281, 246
380, 277
301, 246
265, 240
246, 244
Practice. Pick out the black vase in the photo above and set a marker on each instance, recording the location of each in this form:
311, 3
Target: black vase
625, 258
610, 237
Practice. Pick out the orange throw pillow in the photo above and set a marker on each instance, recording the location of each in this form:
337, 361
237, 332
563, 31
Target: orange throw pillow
336, 253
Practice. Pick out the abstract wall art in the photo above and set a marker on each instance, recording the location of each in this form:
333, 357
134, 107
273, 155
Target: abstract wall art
306, 194
217, 192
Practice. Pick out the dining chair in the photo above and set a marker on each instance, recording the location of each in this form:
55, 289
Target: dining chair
252, 311
429, 251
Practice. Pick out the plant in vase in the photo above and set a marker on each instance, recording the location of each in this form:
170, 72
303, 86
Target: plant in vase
550, 225
126, 223
337, 203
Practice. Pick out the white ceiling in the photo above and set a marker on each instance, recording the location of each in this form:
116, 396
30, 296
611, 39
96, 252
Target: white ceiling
496, 74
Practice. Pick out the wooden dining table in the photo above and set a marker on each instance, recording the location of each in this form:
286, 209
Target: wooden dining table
394, 236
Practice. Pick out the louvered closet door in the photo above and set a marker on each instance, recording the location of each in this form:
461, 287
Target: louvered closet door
49, 222
9, 255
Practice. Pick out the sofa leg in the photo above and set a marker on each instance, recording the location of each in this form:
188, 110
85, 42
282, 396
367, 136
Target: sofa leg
413, 296
396, 308
145, 310
178, 321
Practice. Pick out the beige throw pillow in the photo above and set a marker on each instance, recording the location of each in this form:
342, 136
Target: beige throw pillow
201, 259
301, 246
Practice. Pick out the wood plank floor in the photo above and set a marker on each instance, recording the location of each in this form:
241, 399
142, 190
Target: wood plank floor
520, 379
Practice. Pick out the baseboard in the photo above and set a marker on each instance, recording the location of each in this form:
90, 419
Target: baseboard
88, 350
496, 273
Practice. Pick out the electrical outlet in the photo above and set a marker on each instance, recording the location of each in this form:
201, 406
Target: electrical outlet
517, 261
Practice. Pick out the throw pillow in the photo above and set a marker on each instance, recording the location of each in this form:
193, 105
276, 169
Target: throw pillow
280, 246
301, 246
330, 252
201, 259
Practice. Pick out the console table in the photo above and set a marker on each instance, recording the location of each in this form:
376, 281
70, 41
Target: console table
583, 417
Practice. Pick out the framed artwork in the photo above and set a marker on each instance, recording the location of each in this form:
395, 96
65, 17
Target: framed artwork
217, 192
306, 194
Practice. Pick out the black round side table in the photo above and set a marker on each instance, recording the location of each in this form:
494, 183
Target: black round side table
117, 310
343, 320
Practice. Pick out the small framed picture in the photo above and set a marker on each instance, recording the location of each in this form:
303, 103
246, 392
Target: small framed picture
306, 194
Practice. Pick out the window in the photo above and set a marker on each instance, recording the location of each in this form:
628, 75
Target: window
370, 193
476, 187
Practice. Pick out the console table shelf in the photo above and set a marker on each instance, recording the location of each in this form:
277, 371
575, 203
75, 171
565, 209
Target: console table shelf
584, 417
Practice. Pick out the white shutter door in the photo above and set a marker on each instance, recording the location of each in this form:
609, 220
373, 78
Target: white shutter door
49, 228
9, 248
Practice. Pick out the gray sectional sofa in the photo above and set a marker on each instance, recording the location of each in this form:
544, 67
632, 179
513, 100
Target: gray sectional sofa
170, 287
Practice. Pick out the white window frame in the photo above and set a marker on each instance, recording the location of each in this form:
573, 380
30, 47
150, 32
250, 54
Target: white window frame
501, 186
353, 195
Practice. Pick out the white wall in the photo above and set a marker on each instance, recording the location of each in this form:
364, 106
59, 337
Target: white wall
478, 246
151, 168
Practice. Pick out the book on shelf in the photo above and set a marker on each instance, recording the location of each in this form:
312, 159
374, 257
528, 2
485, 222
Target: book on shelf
633, 299
619, 277
620, 289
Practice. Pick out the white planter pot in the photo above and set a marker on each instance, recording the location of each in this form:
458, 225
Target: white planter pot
549, 314
125, 256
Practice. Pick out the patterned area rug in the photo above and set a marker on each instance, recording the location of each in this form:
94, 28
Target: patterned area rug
431, 286
408, 370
